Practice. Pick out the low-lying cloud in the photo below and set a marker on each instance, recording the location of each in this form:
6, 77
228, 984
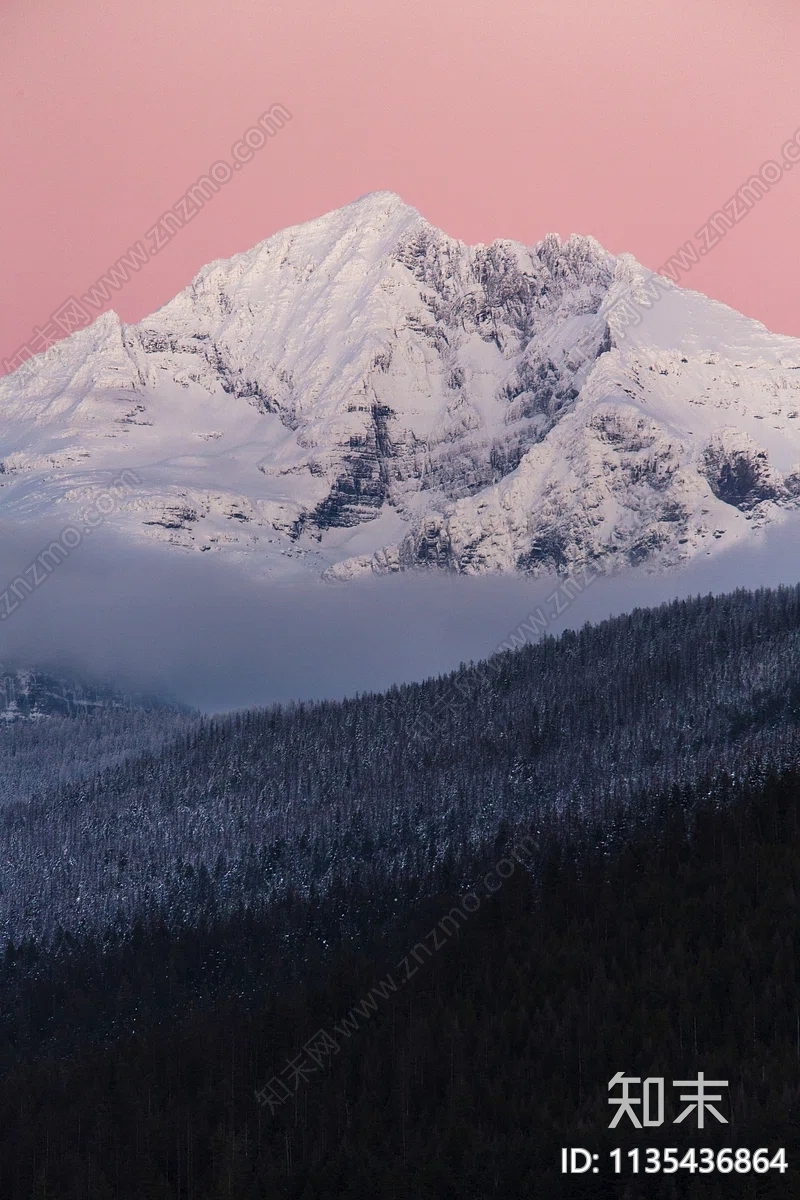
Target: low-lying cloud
206, 631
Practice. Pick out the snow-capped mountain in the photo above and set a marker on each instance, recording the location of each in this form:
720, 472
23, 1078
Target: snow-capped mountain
365, 394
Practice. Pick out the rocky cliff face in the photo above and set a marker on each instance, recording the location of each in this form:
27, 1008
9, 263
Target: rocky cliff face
365, 394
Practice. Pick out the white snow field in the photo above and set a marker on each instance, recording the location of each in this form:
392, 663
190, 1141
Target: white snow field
363, 394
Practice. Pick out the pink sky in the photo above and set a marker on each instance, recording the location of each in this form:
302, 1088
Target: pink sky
632, 120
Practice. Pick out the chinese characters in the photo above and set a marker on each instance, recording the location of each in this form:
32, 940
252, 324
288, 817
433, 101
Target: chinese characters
647, 1108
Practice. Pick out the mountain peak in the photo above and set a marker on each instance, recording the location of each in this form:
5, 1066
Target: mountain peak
363, 393
381, 201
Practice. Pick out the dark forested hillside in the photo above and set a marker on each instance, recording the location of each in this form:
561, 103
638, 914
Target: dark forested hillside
181, 925
36, 756
676, 955
566, 736
55, 730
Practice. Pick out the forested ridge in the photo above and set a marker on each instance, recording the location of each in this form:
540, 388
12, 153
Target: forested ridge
177, 924
677, 954
39, 755
56, 729
304, 800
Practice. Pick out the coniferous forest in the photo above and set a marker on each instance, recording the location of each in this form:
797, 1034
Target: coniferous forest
397, 946
677, 954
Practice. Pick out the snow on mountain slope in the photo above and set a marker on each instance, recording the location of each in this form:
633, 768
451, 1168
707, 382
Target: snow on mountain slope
363, 394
